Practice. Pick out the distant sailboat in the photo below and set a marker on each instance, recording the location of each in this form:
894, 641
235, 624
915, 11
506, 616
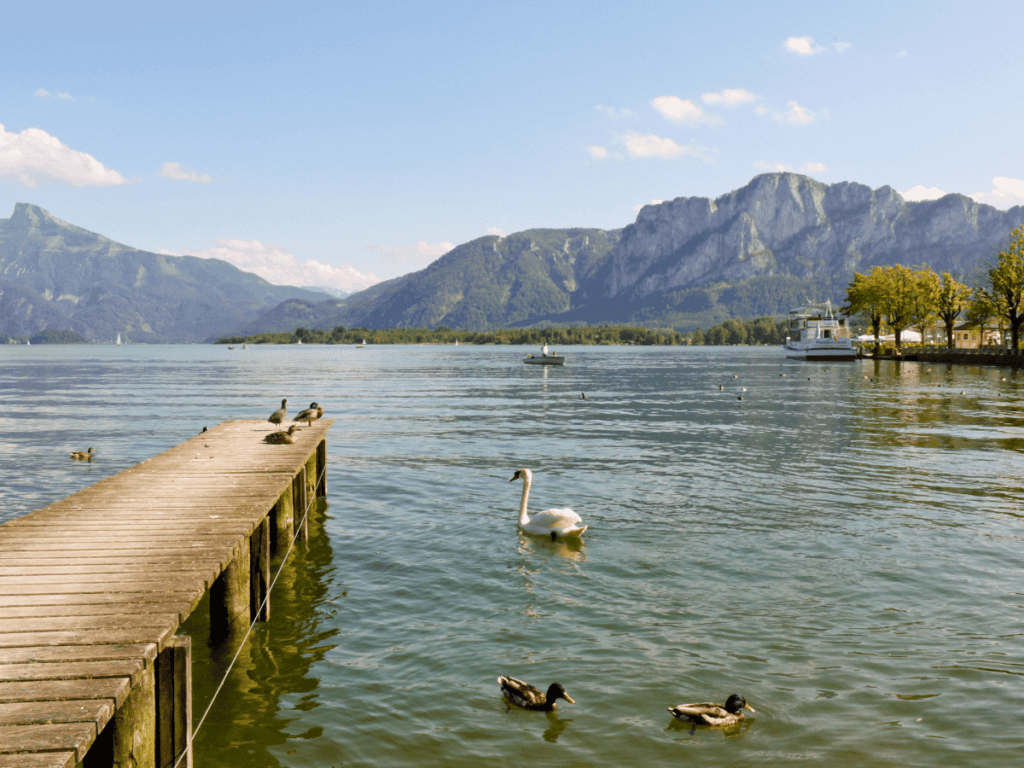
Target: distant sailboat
300, 341
361, 346
456, 342
118, 342
28, 343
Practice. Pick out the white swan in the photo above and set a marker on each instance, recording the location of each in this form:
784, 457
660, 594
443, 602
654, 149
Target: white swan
551, 522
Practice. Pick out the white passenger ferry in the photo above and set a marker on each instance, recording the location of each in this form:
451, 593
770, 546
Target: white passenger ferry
817, 334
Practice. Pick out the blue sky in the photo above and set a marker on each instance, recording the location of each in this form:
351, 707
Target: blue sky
344, 143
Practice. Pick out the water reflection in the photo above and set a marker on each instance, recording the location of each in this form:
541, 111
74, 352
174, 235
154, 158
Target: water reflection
273, 676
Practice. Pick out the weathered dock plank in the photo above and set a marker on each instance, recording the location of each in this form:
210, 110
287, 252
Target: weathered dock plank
94, 587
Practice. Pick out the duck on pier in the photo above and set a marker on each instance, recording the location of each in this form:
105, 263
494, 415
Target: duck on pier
309, 415
281, 438
279, 415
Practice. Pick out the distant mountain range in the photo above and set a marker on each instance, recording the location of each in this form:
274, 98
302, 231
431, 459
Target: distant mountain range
689, 262
54, 275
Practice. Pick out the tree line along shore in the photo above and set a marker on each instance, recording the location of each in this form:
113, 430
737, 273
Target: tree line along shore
764, 330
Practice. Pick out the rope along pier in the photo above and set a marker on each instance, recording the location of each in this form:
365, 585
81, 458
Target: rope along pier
94, 588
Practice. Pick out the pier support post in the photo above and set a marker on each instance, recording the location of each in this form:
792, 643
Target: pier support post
300, 502
229, 596
174, 703
259, 571
130, 736
321, 467
284, 520
311, 476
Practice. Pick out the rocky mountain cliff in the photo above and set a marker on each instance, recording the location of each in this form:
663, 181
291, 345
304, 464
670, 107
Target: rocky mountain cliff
787, 224
688, 262
62, 277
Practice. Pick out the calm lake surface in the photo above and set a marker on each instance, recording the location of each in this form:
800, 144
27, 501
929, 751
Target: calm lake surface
843, 547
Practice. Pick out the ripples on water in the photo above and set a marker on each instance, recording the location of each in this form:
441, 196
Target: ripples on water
842, 547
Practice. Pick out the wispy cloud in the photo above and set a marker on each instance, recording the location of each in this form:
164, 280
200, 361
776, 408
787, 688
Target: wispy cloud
682, 110
179, 173
34, 157
902, 55
596, 152
420, 254
841, 47
795, 115
496, 231
277, 266
804, 46
808, 168
1005, 193
614, 112
921, 192
641, 206
45, 94
650, 145
730, 97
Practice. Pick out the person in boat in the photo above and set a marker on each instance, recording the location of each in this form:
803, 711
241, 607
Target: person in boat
544, 350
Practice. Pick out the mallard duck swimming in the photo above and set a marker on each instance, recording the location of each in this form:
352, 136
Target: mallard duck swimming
310, 415
281, 438
712, 714
82, 455
526, 696
556, 523
278, 416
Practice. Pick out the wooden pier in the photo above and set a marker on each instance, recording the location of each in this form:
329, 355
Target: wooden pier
94, 588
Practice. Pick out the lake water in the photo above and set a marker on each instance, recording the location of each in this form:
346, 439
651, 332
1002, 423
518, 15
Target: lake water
842, 546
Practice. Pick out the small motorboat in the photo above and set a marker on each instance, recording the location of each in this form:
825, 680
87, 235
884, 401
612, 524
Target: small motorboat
544, 360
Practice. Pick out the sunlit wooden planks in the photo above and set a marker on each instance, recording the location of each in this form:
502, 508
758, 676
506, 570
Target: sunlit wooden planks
94, 587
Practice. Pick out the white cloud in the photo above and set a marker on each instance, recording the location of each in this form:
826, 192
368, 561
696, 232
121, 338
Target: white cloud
649, 145
682, 110
921, 192
1006, 193
807, 168
638, 208
34, 157
496, 231
796, 114
45, 94
613, 112
805, 46
598, 153
277, 266
179, 173
901, 55
730, 97
420, 254
840, 47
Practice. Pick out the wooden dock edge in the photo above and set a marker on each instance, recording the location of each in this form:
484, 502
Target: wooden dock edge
118, 689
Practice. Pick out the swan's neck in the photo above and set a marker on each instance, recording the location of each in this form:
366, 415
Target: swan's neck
523, 518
